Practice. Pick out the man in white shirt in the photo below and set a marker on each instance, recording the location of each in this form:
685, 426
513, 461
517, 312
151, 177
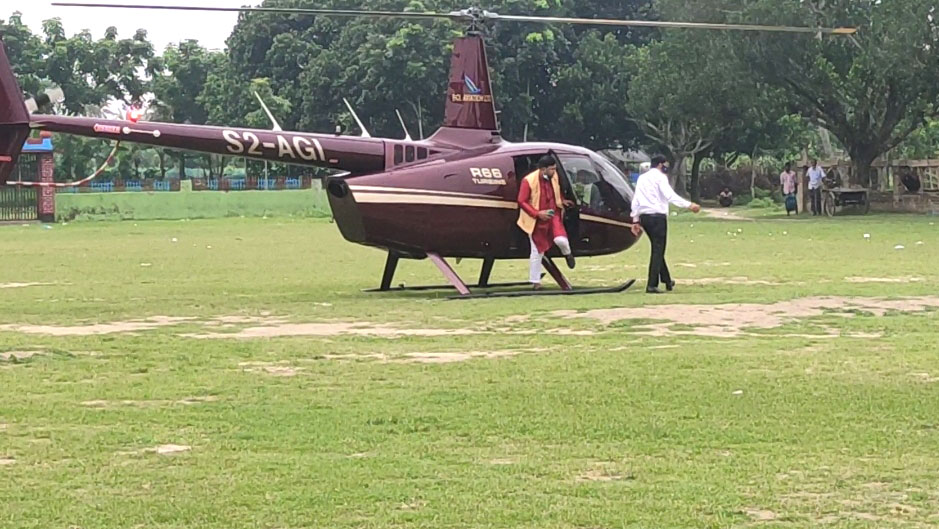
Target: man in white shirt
816, 174
650, 211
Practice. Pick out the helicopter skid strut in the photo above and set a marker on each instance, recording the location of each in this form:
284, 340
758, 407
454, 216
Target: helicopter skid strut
465, 292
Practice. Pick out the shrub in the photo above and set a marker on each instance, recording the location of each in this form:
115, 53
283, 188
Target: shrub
762, 203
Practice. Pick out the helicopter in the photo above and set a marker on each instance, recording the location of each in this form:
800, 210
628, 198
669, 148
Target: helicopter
451, 195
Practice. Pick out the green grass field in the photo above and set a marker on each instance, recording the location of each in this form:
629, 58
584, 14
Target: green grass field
773, 388
191, 205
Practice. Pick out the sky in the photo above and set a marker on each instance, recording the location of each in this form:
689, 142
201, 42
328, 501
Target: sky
163, 27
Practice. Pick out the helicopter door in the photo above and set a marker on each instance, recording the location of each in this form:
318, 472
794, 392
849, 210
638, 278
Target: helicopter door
571, 215
584, 184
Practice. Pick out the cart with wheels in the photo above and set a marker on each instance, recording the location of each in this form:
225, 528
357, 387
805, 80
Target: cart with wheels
836, 199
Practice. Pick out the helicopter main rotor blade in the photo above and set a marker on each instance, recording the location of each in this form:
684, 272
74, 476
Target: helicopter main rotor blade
661, 24
476, 15
281, 10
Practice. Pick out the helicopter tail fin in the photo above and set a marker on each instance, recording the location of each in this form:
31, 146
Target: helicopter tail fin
14, 118
470, 103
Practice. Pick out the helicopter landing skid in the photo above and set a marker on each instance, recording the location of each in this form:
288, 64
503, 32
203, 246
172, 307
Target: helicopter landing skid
528, 293
464, 291
425, 288
485, 273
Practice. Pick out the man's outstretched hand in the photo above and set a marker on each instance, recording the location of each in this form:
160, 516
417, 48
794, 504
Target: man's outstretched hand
695, 208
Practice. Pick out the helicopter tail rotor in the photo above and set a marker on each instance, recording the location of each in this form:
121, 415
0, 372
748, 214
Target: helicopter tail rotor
45, 99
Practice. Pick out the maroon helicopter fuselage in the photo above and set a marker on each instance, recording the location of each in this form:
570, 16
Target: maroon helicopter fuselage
463, 203
451, 195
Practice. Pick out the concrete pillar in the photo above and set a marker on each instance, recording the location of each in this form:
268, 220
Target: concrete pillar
46, 194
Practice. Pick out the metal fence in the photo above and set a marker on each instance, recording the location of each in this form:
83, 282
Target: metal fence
252, 183
18, 203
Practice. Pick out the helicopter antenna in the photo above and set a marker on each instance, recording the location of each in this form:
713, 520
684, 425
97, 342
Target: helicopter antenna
274, 123
407, 135
528, 93
420, 119
355, 116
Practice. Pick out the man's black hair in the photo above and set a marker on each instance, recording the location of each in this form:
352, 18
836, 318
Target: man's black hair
657, 160
546, 161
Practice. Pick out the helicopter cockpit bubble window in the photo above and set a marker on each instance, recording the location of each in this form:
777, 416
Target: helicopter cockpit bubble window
599, 187
616, 192
582, 177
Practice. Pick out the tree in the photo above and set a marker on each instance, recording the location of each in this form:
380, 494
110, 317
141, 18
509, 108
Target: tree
550, 81
90, 73
871, 91
180, 78
26, 52
923, 143
676, 104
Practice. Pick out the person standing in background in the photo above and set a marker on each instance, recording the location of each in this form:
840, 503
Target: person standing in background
816, 174
788, 184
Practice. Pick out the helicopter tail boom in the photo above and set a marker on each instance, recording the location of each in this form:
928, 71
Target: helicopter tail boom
354, 155
14, 118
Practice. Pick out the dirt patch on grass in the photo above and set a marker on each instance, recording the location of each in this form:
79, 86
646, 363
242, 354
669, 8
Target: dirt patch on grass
20, 355
428, 357
452, 357
761, 515
280, 369
883, 279
739, 280
163, 450
189, 401
600, 474
254, 328
112, 404
279, 330
170, 449
154, 322
22, 285
724, 215
4, 461
733, 320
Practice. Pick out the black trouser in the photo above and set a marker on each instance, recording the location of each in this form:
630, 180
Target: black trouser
816, 200
656, 227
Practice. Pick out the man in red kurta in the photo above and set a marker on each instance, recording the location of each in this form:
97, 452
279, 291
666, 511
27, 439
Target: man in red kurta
541, 212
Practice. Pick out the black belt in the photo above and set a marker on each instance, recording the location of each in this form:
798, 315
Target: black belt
653, 215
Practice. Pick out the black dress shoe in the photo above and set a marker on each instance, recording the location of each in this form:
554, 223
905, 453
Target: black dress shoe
570, 261
670, 286
653, 291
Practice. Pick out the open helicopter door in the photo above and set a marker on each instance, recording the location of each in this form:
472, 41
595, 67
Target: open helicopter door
571, 215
